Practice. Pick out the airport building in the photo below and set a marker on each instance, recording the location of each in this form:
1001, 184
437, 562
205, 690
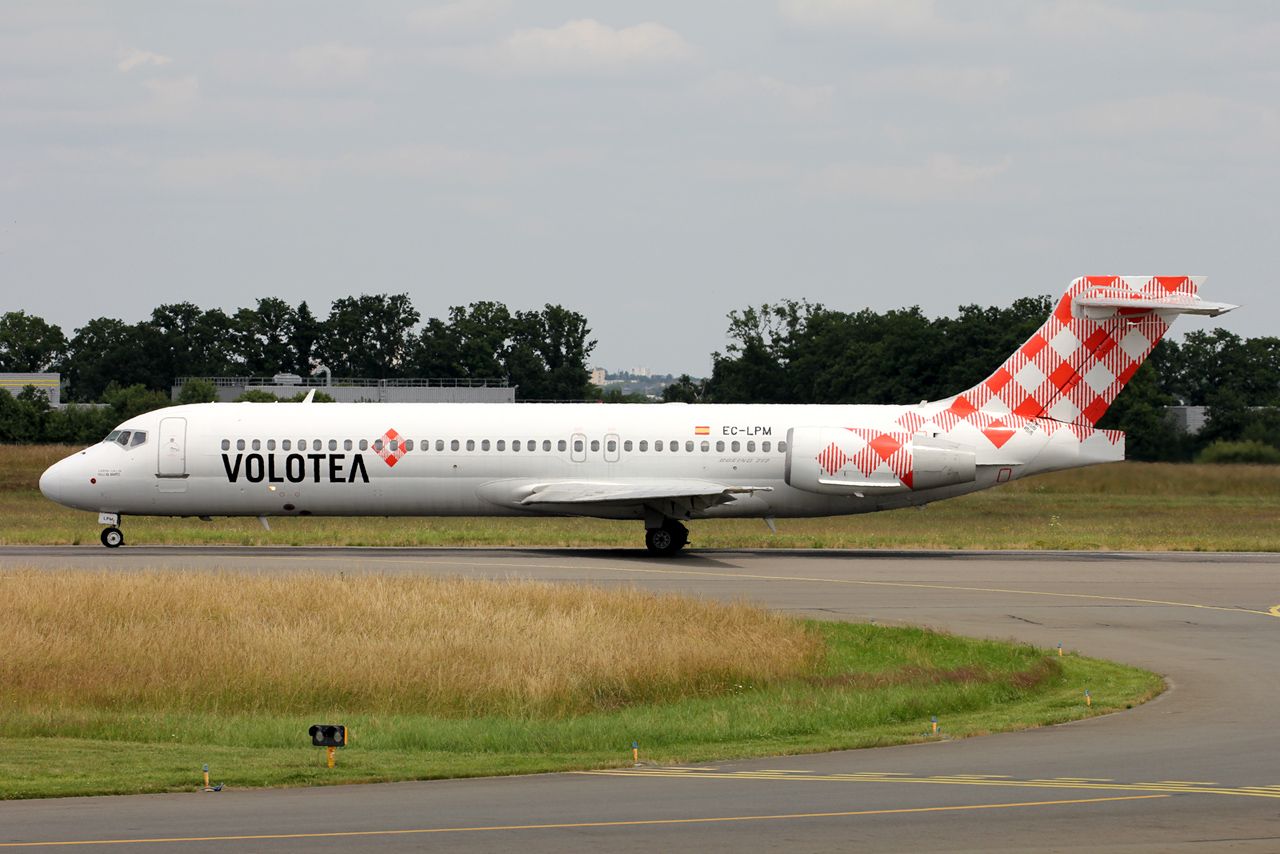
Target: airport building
48, 383
364, 390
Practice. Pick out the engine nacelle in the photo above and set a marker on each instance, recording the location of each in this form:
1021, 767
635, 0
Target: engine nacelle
858, 460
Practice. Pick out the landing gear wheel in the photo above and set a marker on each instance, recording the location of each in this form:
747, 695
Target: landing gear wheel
112, 538
667, 540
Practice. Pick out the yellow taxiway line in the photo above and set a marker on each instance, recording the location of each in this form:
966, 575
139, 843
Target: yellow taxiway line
1170, 786
348, 834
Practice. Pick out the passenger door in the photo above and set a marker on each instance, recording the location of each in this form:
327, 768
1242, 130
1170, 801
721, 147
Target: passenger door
611, 447
578, 448
172, 448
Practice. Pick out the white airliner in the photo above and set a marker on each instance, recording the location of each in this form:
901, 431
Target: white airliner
663, 464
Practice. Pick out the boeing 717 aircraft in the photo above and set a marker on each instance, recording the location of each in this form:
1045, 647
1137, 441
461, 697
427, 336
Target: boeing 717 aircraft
662, 464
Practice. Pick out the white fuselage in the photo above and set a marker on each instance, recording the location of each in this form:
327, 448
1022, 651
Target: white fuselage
254, 459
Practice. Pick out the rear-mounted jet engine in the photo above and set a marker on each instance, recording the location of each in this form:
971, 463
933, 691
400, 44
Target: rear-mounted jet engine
857, 460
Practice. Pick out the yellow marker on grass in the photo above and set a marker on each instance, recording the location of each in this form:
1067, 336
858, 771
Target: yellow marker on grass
635, 752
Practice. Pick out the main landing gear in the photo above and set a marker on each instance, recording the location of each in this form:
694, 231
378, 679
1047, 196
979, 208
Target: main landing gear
112, 538
667, 539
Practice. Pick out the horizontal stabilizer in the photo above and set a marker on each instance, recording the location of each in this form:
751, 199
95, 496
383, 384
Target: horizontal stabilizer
1101, 305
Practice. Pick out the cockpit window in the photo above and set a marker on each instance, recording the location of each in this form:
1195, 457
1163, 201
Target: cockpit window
139, 436
112, 436
123, 438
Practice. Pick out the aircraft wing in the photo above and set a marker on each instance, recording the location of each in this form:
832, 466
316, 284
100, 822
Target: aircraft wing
634, 491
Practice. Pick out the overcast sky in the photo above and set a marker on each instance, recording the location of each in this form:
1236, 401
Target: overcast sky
650, 164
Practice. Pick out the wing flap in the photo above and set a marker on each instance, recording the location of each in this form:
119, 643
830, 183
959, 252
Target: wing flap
630, 492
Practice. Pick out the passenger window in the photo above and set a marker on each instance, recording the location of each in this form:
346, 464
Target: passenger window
688, 445
302, 444
501, 445
644, 445
395, 445
271, 444
377, 444
454, 445
484, 444
735, 446
611, 446
138, 438
333, 444
764, 446
364, 444
239, 444
562, 444
657, 445
626, 445
515, 444
751, 446
782, 447
346, 444
408, 444
720, 447
546, 444
706, 446
471, 444
316, 444
577, 444
226, 444
286, 444
440, 445
675, 445
595, 445
255, 445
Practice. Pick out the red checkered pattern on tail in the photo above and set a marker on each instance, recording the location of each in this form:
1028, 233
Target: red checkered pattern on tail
1073, 367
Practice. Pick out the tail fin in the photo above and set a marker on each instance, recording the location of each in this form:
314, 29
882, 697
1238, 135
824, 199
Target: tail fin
1100, 332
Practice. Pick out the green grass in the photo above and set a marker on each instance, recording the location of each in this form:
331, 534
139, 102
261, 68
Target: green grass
877, 686
1123, 506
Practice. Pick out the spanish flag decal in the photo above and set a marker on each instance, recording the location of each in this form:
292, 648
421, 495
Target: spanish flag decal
702, 431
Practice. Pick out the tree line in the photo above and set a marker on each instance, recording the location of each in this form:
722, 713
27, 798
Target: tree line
544, 352
800, 352
788, 352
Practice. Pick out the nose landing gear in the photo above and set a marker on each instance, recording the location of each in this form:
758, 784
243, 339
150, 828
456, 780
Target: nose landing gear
112, 538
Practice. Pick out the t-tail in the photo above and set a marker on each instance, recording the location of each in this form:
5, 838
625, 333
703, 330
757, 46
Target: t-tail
1099, 334
1066, 375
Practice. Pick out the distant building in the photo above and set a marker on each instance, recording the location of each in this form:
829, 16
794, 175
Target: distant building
362, 390
598, 377
49, 384
1189, 419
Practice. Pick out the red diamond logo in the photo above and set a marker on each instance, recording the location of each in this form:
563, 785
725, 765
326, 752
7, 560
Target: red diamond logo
390, 447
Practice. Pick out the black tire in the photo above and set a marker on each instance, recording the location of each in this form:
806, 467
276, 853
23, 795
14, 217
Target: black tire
112, 538
667, 540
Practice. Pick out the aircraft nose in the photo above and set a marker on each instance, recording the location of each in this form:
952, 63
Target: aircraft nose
58, 481
53, 482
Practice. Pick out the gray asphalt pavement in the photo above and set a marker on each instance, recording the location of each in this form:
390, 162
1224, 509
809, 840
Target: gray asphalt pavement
1197, 769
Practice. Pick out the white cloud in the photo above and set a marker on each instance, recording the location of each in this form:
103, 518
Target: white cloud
171, 93
588, 46
761, 90
460, 16
430, 163
135, 58
328, 63
939, 177
944, 83
896, 16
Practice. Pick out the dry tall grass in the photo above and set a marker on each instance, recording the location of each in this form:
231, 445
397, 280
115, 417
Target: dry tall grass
239, 643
